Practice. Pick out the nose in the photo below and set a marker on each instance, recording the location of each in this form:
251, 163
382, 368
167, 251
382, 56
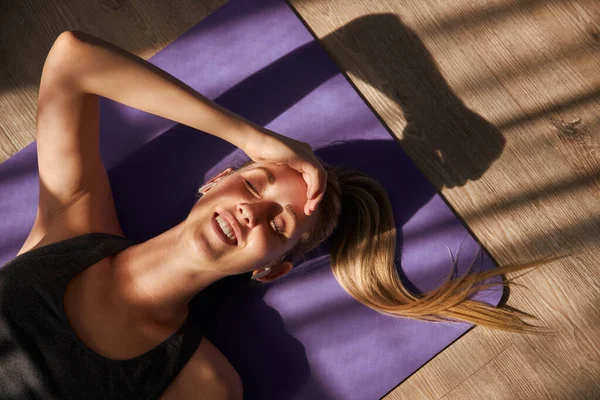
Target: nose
251, 214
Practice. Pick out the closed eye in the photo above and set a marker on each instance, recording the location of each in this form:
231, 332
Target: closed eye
253, 190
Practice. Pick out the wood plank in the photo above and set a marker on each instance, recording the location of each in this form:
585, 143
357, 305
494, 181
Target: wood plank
496, 101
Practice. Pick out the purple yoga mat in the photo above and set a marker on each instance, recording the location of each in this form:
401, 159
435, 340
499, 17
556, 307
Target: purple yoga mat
302, 337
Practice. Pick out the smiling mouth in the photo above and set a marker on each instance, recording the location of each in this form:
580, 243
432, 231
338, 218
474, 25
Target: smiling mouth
226, 229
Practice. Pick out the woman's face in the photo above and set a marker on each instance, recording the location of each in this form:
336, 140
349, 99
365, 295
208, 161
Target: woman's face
249, 218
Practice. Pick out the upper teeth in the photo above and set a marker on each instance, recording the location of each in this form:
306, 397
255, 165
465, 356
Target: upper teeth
226, 228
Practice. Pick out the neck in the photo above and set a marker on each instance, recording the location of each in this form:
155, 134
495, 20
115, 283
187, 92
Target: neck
157, 279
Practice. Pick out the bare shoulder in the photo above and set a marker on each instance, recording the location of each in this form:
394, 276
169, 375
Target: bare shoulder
207, 375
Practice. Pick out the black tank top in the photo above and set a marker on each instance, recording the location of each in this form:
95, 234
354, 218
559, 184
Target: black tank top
41, 357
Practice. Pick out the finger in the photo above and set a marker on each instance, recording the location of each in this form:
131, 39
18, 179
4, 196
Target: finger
318, 196
323, 187
320, 185
318, 200
307, 209
312, 204
313, 180
308, 179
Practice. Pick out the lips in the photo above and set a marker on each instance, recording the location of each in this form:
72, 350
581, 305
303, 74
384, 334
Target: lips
222, 222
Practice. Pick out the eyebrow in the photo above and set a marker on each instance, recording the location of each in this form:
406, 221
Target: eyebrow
271, 179
270, 176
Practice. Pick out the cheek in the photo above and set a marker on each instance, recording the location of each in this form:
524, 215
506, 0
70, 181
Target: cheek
264, 246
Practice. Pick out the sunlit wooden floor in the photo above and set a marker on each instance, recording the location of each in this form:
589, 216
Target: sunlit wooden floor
496, 101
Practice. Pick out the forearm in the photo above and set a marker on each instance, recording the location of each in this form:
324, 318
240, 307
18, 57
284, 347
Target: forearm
92, 65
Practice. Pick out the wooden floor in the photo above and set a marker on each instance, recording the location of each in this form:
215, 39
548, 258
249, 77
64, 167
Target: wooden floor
496, 101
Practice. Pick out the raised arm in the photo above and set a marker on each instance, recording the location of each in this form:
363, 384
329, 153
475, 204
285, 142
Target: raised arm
87, 64
80, 67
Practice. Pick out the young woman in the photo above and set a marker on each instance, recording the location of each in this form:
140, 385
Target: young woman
90, 314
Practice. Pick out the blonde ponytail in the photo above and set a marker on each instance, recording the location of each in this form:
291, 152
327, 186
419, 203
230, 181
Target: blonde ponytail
363, 255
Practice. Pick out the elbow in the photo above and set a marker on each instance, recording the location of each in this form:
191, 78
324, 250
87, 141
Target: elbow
61, 54
68, 45
60, 70
66, 42
71, 38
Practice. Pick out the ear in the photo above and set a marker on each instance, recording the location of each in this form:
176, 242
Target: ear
209, 184
277, 271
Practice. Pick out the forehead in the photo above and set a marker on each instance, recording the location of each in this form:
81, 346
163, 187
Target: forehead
288, 187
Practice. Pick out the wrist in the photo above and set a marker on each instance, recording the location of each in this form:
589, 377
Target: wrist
248, 137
